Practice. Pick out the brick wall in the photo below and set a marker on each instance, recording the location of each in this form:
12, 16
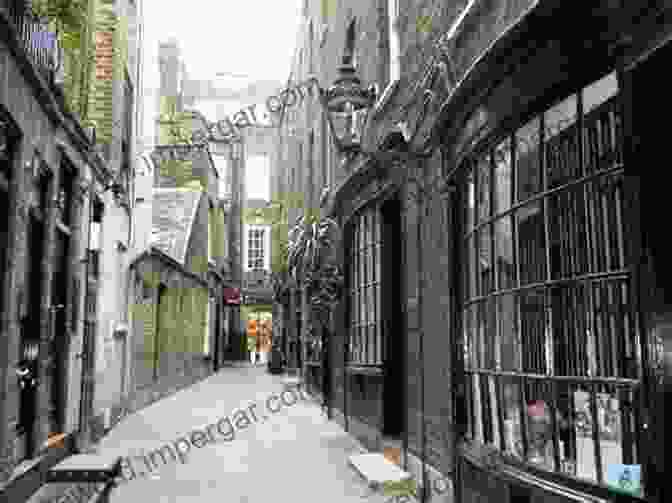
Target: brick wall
100, 99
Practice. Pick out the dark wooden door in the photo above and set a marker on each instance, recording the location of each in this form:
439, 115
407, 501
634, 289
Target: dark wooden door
58, 347
31, 328
394, 405
647, 107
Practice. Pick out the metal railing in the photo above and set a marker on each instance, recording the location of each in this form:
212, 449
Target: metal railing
33, 35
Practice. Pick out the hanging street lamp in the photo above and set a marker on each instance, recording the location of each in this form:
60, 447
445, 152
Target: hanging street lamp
348, 104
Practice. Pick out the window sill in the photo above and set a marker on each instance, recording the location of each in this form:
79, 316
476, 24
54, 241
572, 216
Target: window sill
371, 370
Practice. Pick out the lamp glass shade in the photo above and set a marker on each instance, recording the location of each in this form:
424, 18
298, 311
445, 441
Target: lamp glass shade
348, 126
348, 104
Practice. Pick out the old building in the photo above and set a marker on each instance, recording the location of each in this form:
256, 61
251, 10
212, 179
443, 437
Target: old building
63, 177
179, 270
506, 305
253, 149
115, 108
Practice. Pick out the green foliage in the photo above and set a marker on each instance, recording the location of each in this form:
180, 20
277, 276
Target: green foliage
69, 16
174, 129
71, 20
400, 488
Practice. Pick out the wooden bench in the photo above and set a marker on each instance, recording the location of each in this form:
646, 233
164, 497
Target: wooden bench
88, 468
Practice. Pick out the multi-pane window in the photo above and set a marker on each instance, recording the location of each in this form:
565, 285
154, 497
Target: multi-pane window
551, 346
365, 323
255, 249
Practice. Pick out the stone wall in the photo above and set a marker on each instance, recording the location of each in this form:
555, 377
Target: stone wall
43, 127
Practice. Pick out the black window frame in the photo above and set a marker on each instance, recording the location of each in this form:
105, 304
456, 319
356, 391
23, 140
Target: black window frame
256, 260
366, 344
547, 300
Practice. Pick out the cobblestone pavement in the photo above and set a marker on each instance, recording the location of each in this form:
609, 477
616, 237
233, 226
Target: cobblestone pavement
294, 455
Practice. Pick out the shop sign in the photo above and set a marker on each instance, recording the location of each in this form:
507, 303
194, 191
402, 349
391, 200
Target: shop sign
232, 296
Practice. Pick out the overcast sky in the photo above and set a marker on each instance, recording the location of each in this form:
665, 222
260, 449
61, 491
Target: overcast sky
243, 37
250, 38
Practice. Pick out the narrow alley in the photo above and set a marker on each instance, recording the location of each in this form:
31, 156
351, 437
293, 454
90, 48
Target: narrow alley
440, 220
294, 455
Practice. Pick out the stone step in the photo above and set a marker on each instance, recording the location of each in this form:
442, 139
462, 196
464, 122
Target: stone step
376, 469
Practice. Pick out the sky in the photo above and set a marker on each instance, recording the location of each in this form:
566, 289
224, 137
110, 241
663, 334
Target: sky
251, 39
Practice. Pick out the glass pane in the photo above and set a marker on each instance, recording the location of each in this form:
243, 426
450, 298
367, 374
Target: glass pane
471, 200
533, 331
599, 92
357, 319
605, 217
494, 412
560, 117
509, 337
528, 174
470, 338
469, 395
531, 240
375, 314
478, 409
569, 233
480, 330
485, 260
487, 333
577, 449
562, 144
502, 181
371, 351
506, 275
609, 316
540, 424
571, 335
472, 286
371, 305
511, 413
602, 137
483, 186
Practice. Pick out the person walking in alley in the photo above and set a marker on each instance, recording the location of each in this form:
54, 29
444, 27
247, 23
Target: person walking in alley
257, 355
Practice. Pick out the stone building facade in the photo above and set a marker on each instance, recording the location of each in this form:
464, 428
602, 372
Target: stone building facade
519, 354
66, 187
51, 177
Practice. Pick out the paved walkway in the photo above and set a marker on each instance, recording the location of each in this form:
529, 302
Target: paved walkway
294, 455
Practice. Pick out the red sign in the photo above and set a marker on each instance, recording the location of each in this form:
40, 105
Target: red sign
232, 295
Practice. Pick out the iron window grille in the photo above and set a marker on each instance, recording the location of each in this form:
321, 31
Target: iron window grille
365, 345
551, 345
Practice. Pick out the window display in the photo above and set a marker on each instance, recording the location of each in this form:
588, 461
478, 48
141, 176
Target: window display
547, 331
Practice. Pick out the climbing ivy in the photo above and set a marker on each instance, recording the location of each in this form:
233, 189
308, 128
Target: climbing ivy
174, 130
69, 17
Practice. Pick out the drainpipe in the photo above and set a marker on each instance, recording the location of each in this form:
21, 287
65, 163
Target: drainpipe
82, 413
422, 211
